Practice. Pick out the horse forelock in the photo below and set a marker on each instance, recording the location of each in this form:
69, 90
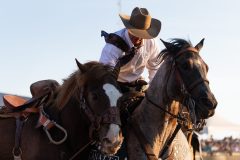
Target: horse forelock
177, 44
97, 71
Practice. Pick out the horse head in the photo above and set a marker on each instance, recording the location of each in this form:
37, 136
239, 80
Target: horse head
188, 76
100, 93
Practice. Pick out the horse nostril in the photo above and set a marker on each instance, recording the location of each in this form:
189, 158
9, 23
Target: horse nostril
208, 103
211, 103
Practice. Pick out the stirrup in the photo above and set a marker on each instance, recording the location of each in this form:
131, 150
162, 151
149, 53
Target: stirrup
17, 156
48, 124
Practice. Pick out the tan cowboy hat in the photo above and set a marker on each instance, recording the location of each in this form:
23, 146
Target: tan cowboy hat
141, 24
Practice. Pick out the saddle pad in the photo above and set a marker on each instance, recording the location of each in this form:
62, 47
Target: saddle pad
13, 101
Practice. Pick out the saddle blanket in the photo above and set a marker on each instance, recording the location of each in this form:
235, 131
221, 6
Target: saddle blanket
97, 155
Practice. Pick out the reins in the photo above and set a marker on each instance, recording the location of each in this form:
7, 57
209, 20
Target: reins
164, 110
82, 149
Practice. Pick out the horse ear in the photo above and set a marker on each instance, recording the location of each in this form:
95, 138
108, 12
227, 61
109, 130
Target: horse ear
80, 66
167, 45
199, 45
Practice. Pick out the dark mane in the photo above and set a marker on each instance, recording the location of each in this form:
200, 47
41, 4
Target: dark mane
71, 85
176, 45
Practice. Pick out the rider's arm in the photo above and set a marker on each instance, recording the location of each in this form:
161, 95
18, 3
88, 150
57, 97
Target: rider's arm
152, 63
110, 54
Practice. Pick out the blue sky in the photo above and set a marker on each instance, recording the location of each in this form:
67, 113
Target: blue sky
40, 39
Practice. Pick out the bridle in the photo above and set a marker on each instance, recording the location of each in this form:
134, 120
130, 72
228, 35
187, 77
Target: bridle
185, 92
110, 116
197, 82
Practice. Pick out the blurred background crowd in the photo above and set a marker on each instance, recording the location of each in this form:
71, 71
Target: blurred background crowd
226, 145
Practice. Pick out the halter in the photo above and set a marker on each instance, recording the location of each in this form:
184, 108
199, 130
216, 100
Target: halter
186, 90
111, 115
197, 82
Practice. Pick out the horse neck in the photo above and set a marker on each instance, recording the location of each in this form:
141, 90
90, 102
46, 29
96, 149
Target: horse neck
158, 90
74, 121
158, 87
156, 117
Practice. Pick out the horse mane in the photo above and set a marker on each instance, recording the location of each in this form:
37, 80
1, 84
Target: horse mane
176, 45
71, 86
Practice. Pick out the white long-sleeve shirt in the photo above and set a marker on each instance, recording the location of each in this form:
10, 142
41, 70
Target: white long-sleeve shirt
146, 56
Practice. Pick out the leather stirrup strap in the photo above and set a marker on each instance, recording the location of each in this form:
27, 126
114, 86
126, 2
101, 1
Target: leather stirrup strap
17, 149
143, 141
168, 143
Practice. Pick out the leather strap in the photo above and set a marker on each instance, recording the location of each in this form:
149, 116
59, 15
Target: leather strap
169, 142
19, 125
146, 146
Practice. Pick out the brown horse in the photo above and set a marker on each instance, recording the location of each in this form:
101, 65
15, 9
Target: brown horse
84, 105
182, 74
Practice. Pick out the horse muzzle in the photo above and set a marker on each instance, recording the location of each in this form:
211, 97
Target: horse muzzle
110, 146
206, 107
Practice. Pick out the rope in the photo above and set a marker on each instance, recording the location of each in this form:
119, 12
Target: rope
81, 149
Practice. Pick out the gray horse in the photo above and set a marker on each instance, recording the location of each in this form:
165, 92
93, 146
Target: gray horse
182, 74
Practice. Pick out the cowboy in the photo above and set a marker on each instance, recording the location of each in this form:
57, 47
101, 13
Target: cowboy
139, 34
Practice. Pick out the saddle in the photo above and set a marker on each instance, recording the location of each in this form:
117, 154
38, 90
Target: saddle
20, 108
128, 103
40, 90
